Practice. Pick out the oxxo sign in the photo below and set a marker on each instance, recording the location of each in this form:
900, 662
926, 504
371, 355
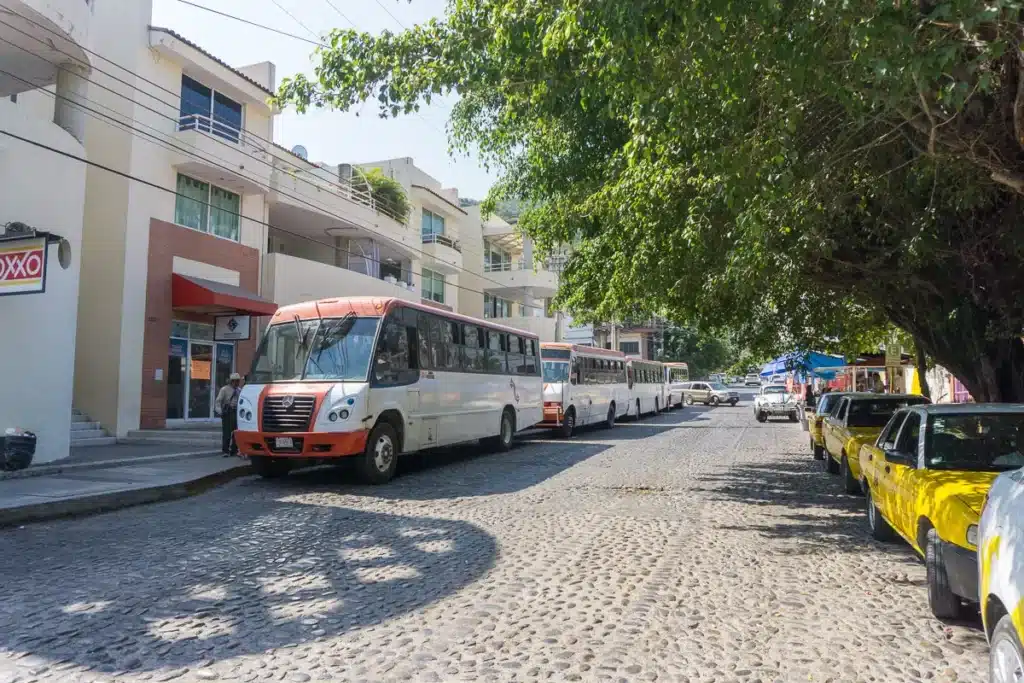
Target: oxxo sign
23, 266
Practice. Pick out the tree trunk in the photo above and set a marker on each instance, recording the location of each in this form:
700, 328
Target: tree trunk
922, 369
992, 371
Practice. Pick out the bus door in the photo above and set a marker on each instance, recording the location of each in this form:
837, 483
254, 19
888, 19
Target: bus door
580, 395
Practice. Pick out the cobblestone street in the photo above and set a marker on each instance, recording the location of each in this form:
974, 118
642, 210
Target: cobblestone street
697, 545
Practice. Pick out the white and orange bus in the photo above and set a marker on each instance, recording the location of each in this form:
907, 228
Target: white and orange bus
647, 387
676, 374
583, 385
372, 378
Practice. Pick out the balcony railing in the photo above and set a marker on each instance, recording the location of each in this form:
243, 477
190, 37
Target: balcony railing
435, 238
223, 130
508, 266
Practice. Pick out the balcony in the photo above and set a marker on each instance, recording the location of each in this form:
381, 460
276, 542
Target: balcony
332, 207
290, 279
38, 36
511, 279
444, 254
221, 154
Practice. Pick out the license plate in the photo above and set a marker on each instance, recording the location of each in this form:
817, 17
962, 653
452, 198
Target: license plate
284, 442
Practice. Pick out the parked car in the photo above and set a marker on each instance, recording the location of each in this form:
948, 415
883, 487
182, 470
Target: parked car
773, 400
752, 380
926, 478
856, 420
815, 421
709, 393
1001, 575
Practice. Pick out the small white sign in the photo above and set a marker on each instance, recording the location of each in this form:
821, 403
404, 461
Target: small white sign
158, 375
232, 328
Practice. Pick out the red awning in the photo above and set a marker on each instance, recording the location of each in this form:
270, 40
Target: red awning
206, 296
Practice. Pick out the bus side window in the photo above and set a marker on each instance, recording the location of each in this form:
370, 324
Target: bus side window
451, 339
424, 338
495, 353
472, 352
515, 354
412, 318
532, 366
574, 371
391, 366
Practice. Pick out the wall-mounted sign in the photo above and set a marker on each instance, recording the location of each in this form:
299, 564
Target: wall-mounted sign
231, 328
23, 266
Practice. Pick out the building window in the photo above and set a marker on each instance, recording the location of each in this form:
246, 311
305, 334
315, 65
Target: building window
495, 258
433, 224
496, 307
630, 347
433, 286
207, 208
204, 109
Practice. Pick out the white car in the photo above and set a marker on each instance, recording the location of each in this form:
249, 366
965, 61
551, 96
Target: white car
1001, 576
774, 400
753, 380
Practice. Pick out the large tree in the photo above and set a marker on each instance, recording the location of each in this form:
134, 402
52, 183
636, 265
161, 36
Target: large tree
796, 171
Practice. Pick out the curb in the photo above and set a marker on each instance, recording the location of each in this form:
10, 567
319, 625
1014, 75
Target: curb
57, 468
116, 500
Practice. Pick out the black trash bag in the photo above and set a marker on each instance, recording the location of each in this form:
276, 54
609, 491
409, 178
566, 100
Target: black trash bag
17, 451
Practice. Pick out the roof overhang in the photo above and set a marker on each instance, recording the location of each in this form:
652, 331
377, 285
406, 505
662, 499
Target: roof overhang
197, 295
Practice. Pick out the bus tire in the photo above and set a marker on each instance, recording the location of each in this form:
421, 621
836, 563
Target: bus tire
270, 468
379, 461
506, 432
568, 423
609, 420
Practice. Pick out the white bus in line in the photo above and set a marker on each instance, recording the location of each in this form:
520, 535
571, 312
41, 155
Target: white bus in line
647, 386
676, 374
583, 385
374, 378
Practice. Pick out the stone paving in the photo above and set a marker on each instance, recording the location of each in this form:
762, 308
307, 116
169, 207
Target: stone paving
693, 546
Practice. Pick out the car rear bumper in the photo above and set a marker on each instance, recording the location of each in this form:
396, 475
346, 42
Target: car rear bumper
961, 569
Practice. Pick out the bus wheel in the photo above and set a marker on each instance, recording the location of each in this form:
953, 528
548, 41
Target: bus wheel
380, 457
506, 432
568, 423
638, 413
270, 468
609, 420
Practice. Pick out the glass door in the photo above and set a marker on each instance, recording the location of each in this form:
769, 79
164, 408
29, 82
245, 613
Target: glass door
200, 381
225, 366
176, 372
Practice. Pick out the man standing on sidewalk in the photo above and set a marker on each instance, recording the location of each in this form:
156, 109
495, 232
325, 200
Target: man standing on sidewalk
227, 407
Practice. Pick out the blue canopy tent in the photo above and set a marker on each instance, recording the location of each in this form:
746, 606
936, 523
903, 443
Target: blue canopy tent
806, 364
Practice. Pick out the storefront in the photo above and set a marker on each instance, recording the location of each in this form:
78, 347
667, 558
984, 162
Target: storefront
197, 368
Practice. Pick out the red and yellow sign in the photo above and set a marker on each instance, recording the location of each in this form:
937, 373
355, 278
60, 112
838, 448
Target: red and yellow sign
23, 266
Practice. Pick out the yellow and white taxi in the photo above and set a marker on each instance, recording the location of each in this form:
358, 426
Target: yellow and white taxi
926, 478
857, 420
1001, 576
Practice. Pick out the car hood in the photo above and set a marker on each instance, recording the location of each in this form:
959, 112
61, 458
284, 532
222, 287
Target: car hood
772, 398
969, 488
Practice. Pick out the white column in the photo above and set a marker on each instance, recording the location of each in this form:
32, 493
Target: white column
72, 89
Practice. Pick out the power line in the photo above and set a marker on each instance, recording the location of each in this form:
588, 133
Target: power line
340, 13
387, 238
253, 23
294, 18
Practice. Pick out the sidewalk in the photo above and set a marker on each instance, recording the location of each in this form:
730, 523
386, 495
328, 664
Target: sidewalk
118, 477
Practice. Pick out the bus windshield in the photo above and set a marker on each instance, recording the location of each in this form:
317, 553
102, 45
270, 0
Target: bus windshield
556, 371
334, 349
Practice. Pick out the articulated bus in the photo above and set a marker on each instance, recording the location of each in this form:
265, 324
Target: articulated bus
583, 385
372, 378
646, 379
675, 375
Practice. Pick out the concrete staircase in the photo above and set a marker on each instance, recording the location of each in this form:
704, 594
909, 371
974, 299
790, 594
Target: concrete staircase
85, 432
202, 436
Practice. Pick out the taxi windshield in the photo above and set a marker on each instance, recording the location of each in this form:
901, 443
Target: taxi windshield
876, 412
976, 442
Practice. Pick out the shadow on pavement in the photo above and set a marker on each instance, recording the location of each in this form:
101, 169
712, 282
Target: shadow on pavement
229, 576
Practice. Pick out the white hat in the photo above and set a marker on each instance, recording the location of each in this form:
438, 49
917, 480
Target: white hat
235, 377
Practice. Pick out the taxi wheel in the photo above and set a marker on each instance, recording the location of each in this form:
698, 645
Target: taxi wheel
880, 529
830, 465
819, 452
1006, 655
762, 417
944, 603
850, 485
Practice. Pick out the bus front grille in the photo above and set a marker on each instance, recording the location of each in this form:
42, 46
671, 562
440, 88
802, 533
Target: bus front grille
287, 413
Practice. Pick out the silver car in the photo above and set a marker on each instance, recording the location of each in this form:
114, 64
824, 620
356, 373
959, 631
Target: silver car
774, 400
709, 393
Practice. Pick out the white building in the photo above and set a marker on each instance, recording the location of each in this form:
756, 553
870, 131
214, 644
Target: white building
43, 48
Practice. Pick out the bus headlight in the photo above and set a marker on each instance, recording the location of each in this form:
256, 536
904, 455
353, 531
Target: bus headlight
344, 414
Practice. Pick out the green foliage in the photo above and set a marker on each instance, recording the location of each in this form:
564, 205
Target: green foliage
703, 353
801, 173
388, 194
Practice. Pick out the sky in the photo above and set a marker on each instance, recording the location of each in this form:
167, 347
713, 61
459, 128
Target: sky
329, 136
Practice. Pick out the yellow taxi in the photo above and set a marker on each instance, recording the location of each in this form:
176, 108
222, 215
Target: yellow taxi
855, 420
816, 418
926, 478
